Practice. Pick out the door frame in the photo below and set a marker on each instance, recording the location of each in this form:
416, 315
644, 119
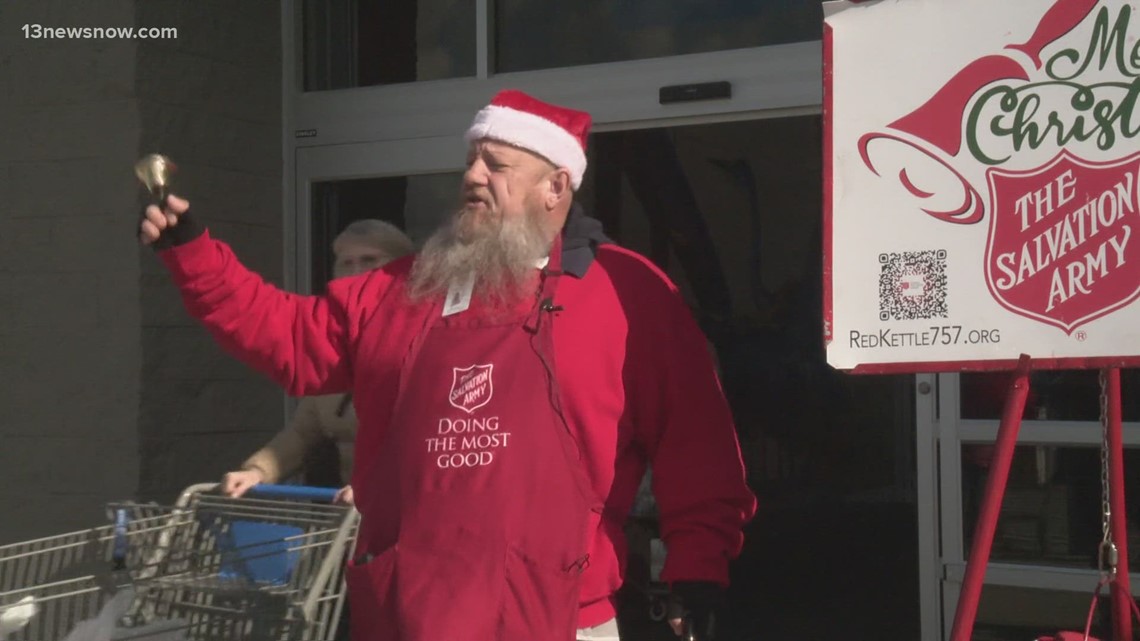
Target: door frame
352, 161
336, 134
946, 431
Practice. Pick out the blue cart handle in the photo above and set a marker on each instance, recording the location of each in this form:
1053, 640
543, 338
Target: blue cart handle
296, 492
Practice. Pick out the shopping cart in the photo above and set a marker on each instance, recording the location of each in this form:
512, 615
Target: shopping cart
68, 578
268, 566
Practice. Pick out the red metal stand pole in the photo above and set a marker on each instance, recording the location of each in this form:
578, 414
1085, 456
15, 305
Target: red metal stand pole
967, 609
1121, 609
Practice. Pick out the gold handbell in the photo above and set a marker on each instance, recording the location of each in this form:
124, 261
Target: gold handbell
155, 171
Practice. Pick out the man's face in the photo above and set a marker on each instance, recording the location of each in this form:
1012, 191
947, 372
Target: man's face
501, 183
500, 231
356, 258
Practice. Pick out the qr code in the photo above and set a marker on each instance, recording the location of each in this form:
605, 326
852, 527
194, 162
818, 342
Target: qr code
912, 285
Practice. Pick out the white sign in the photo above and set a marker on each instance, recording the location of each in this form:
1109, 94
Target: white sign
982, 161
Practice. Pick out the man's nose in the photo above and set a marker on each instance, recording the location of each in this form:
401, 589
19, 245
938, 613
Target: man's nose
476, 174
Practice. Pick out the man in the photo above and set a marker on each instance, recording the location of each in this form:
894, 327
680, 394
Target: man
512, 382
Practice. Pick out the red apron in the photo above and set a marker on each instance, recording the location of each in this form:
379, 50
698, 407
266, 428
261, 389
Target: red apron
479, 515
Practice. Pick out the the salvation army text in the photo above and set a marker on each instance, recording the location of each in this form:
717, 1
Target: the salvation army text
1073, 243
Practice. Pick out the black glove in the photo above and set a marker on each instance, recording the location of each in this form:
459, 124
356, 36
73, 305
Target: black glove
185, 231
698, 604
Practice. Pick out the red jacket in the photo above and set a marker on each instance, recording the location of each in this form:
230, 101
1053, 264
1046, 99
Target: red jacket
637, 380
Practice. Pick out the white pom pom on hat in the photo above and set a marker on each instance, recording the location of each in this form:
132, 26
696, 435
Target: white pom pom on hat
555, 133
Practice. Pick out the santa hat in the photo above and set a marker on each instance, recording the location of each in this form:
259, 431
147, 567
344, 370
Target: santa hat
555, 133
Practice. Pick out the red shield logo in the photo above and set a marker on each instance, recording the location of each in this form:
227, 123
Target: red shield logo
471, 387
1063, 246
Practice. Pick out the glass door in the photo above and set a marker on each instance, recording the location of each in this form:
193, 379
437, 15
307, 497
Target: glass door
367, 70
1043, 565
413, 184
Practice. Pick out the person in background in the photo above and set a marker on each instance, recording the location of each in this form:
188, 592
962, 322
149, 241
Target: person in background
364, 245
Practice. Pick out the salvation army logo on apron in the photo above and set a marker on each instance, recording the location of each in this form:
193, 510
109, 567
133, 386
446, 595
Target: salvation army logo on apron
471, 387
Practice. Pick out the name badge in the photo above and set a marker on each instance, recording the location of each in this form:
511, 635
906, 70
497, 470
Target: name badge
459, 295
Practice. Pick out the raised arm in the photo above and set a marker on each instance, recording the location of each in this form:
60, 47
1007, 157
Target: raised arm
304, 343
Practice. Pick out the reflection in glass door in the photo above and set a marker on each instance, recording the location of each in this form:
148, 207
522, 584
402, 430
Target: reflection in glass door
361, 43
535, 34
1043, 565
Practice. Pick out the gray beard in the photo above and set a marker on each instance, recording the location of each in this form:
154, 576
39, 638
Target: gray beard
501, 252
